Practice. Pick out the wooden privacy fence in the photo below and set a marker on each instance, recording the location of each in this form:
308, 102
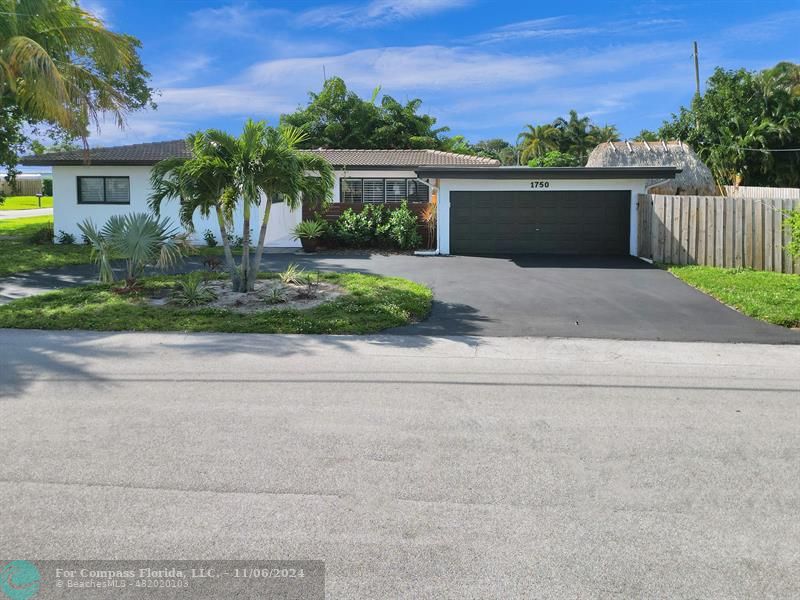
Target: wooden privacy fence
23, 186
717, 231
745, 191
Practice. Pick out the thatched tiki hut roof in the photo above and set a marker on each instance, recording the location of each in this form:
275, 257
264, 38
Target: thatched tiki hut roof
695, 179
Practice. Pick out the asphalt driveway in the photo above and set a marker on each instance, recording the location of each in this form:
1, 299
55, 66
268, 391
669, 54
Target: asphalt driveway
552, 296
558, 296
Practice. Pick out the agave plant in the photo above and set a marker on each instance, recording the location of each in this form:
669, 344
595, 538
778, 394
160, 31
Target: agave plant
192, 290
293, 274
310, 233
138, 238
309, 230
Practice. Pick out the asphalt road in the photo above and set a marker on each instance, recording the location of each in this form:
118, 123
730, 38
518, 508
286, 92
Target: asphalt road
414, 467
26, 213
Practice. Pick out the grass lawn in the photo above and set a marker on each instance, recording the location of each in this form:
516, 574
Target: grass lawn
771, 297
26, 202
25, 226
19, 254
371, 303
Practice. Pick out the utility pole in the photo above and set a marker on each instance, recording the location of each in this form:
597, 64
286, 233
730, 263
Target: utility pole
696, 85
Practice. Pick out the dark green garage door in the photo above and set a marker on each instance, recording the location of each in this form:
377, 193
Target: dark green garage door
592, 222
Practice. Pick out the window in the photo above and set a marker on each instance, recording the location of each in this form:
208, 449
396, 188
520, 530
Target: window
104, 190
351, 190
379, 190
396, 190
373, 190
417, 192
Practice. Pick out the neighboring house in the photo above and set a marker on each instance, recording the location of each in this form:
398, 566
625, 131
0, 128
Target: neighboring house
695, 178
482, 208
117, 180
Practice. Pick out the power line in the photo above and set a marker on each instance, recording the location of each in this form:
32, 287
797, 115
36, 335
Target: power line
768, 149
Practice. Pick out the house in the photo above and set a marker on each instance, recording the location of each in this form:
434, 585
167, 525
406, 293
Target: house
694, 179
482, 208
117, 180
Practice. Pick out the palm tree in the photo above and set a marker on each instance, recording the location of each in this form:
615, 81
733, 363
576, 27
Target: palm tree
606, 133
573, 134
262, 165
287, 173
58, 63
202, 183
536, 141
140, 239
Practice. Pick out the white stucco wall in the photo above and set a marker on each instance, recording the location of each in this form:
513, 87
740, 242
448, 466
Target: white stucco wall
465, 185
67, 213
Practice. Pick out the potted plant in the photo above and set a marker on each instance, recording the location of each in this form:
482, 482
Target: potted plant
309, 233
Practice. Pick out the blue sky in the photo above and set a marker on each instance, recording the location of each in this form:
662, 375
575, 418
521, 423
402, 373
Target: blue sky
482, 67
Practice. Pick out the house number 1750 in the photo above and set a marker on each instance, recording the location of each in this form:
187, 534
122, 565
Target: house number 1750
540, 184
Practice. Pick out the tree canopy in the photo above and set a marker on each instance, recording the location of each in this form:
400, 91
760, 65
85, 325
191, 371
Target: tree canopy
746, 126
337, 117
555, 158
61, 70
573, 136
498, 149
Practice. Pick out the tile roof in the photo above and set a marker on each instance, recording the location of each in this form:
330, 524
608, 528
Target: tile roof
402, 158
151, 153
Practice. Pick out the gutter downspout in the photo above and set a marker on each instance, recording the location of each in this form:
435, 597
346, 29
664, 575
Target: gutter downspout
434, 252
656, 184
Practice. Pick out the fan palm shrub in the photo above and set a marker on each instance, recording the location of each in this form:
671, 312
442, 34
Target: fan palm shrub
139, 239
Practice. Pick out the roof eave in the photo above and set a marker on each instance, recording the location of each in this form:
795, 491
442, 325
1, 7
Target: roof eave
549, 172
41, 162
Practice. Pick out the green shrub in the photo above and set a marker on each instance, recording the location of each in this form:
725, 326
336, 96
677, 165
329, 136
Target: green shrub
792, 224
65, 238
210, 238
192, 290
309, 230
47, 187
44, 235
360, 229
378, 227
401, 228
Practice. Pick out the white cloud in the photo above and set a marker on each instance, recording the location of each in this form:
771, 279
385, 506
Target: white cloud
404, 68
234, 20
771, 27
535, 28
564, 27
182, 69
99, 10
376, 12
140, 127
475, 89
